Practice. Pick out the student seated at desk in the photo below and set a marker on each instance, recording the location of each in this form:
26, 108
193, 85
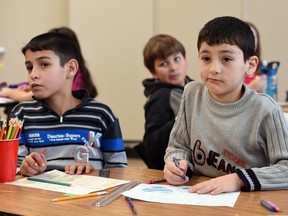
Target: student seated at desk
59, 118
165, 58
224, 129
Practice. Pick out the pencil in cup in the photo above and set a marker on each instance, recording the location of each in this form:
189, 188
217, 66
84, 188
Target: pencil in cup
14, 128
10, 128
3, 124
100, 193
18, 128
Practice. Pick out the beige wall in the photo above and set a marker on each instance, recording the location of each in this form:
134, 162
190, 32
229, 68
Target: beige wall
19, 22
112, 40
112, 34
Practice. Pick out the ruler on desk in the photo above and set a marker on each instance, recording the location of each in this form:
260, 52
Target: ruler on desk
115, 194
104, 173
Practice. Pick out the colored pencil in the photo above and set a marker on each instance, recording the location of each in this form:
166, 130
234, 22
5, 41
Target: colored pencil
131, 205
48, 181
100, 193
155, 181
43, 152
9, 129
2, 132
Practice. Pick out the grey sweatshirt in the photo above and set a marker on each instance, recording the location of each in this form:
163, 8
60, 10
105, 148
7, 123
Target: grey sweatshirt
249, 137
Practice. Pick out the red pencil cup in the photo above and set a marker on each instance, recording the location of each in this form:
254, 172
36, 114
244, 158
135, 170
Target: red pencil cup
8, 159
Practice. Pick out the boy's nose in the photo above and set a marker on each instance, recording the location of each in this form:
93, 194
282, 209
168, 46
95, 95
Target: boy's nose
215, 67
172, 66
34, 74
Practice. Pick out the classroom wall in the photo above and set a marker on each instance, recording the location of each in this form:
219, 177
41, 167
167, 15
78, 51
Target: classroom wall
112, 35
19, 22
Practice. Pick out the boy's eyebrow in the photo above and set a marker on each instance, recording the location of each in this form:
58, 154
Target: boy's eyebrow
222, 51
39, 58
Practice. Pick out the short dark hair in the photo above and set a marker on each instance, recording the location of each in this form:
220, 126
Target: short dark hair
160, 47
62, 46
229, 30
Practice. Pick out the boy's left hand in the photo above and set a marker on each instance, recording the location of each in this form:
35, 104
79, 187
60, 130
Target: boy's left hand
78, 168
222, 184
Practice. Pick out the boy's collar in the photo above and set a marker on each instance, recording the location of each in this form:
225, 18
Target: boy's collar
82, 94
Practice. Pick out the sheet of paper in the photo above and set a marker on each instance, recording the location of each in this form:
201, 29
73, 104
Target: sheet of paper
4, 100
81, 184
179, 195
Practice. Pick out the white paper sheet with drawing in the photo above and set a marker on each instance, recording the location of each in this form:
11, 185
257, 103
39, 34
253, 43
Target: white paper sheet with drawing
81, 184
179, 195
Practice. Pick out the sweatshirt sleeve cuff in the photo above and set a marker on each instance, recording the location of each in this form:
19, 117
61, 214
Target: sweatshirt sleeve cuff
251, 182
189, 172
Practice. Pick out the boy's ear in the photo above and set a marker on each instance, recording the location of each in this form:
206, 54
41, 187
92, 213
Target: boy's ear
154, 75
73, 67
252, 64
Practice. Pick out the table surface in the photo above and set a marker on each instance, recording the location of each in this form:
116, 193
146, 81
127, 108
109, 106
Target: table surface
30, 201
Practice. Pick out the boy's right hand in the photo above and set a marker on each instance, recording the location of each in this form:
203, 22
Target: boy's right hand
33, 164
173, 174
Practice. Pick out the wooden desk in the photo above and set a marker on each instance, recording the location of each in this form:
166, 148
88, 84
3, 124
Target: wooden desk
29, 201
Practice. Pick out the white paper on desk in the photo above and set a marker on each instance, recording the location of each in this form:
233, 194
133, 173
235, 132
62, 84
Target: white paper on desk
81, 184
179, 195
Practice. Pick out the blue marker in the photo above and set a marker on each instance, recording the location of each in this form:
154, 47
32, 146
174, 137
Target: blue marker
177, 165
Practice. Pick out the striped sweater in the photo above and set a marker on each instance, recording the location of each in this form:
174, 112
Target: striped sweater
64, 136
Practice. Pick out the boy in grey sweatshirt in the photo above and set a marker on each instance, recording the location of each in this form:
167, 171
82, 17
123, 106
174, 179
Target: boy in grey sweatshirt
224, 129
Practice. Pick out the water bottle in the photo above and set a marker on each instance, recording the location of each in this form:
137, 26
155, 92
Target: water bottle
270, 70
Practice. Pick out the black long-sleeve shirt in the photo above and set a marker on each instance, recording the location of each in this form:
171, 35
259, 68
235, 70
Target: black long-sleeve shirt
161, 108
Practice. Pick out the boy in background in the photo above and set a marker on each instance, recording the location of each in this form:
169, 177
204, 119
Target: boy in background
61, 120
224, 129
165, 58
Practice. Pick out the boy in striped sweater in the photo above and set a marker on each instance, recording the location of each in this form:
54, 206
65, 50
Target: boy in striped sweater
79, 133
